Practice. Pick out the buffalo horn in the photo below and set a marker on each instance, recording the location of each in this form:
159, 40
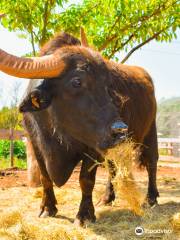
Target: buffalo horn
84, 41
34, 68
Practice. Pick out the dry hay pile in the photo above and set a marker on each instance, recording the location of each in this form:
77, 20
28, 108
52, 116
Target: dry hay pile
21, 222
19, 209
176, 221
119, 161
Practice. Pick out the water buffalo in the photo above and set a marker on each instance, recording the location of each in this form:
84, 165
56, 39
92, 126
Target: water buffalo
78, 102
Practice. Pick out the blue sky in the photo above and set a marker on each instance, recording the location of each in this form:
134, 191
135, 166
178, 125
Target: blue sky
161, 60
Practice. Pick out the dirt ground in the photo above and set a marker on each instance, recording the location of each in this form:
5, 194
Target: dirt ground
14, 177
113, 222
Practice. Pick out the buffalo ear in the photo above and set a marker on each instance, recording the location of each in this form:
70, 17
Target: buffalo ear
36, 100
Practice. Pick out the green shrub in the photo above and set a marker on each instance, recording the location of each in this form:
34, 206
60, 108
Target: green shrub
4, 148
19, 149
20, 163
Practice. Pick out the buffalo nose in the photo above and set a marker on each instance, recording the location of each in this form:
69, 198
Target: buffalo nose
119, 127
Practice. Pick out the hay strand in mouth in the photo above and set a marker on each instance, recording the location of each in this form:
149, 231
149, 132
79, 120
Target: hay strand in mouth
119, 162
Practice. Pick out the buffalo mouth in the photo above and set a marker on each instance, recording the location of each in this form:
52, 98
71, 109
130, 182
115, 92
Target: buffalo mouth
113, 141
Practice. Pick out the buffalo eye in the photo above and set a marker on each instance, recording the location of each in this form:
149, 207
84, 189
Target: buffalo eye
76, 82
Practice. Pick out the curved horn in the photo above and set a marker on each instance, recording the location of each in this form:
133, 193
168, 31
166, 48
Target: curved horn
84, 41
34, 68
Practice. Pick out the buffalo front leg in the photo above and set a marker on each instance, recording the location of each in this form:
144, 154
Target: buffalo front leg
48, 205
87, 181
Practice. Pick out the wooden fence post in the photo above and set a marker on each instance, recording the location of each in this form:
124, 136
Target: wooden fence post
12, 147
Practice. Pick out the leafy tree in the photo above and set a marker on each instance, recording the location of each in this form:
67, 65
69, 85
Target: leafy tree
111, 26
35, 20
10, 118
19, 149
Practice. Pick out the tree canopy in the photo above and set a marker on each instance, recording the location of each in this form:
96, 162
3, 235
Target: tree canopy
10, 118
111, 26
32, 19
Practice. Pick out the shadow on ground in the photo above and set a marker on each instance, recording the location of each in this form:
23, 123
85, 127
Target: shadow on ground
121, 223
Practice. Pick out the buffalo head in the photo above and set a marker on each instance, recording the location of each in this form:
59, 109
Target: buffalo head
74, 89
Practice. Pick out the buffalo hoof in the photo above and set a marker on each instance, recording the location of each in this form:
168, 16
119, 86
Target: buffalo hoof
48, 212
82, 221
150, 202
106, 200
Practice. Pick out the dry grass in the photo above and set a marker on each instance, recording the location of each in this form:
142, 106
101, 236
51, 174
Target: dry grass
19, 209
121, 159
19, 219
176, 221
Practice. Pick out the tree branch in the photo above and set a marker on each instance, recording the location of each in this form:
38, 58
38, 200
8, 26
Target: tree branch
156, 12
36, 35
2, 15
121, 46
45, 19
33, 43
105, 44
142, 44
109, 39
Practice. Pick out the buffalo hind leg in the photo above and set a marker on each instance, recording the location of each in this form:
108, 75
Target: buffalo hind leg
48, 204
87, 181
109, 195
149, 159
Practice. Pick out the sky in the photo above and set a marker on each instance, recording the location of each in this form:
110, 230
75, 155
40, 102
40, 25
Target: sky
161, 60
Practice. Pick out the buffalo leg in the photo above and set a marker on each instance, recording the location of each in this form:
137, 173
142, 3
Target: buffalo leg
48, 205
87, 181
109, 194
149, 159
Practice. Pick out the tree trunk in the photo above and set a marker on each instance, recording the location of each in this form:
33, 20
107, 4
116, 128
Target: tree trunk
12, 147
32, 166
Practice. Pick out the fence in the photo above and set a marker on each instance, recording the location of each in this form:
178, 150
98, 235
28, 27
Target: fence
33, 169
170, 145
6, 134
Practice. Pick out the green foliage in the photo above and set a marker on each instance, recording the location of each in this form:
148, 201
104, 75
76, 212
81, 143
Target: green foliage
20, 163
111, 25
168, 117
10, 118
4, 148
121, 25
34, 19
19, 149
